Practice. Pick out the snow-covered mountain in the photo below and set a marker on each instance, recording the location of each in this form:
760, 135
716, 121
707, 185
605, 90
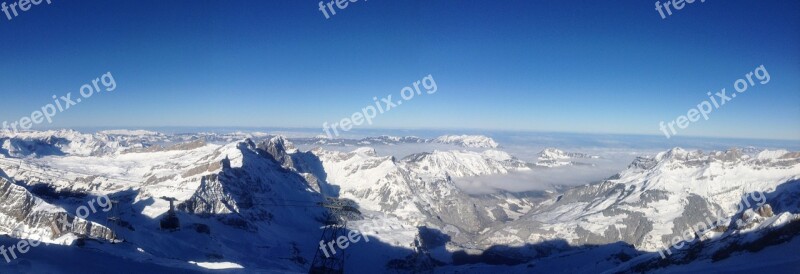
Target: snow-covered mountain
24, 214
474, 141
234, 189
656, 199
230, 200
419, 188
552, 157
70, 142
466, 141
463, 163
254, 203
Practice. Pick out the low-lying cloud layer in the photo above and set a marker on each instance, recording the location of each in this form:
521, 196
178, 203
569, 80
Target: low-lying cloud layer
547, 178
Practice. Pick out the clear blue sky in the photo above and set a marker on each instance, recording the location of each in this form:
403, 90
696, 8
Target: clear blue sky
574, 66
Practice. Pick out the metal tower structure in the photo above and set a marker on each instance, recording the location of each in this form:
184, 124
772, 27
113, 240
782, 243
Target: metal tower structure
113, 218
335, 226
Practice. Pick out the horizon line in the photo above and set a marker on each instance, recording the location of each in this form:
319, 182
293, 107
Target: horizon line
423, 129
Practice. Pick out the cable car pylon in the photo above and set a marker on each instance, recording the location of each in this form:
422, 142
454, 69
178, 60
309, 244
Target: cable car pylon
335, 226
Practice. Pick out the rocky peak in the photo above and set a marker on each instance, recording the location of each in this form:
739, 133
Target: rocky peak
279, 148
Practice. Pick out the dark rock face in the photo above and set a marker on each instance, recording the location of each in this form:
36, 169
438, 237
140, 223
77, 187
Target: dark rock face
278, 148
20, 207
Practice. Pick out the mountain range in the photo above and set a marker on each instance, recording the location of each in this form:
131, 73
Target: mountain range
252, 202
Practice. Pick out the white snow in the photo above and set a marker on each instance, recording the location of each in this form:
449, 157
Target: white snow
470, 141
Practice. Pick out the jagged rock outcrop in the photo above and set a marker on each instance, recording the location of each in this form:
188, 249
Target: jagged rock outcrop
25, 215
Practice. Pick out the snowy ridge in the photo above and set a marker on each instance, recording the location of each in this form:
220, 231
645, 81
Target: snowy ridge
419, 188
220, 189
463, 163
23, 214
233, 198
552, 157
472, 141
654, 199
70, 142
125, 132
466, 141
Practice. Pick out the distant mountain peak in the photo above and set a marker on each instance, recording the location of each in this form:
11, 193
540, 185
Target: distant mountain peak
471, 141
553, 157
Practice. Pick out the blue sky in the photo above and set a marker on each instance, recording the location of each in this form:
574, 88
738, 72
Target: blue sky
567, 66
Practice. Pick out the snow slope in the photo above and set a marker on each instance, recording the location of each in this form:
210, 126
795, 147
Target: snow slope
250, 202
